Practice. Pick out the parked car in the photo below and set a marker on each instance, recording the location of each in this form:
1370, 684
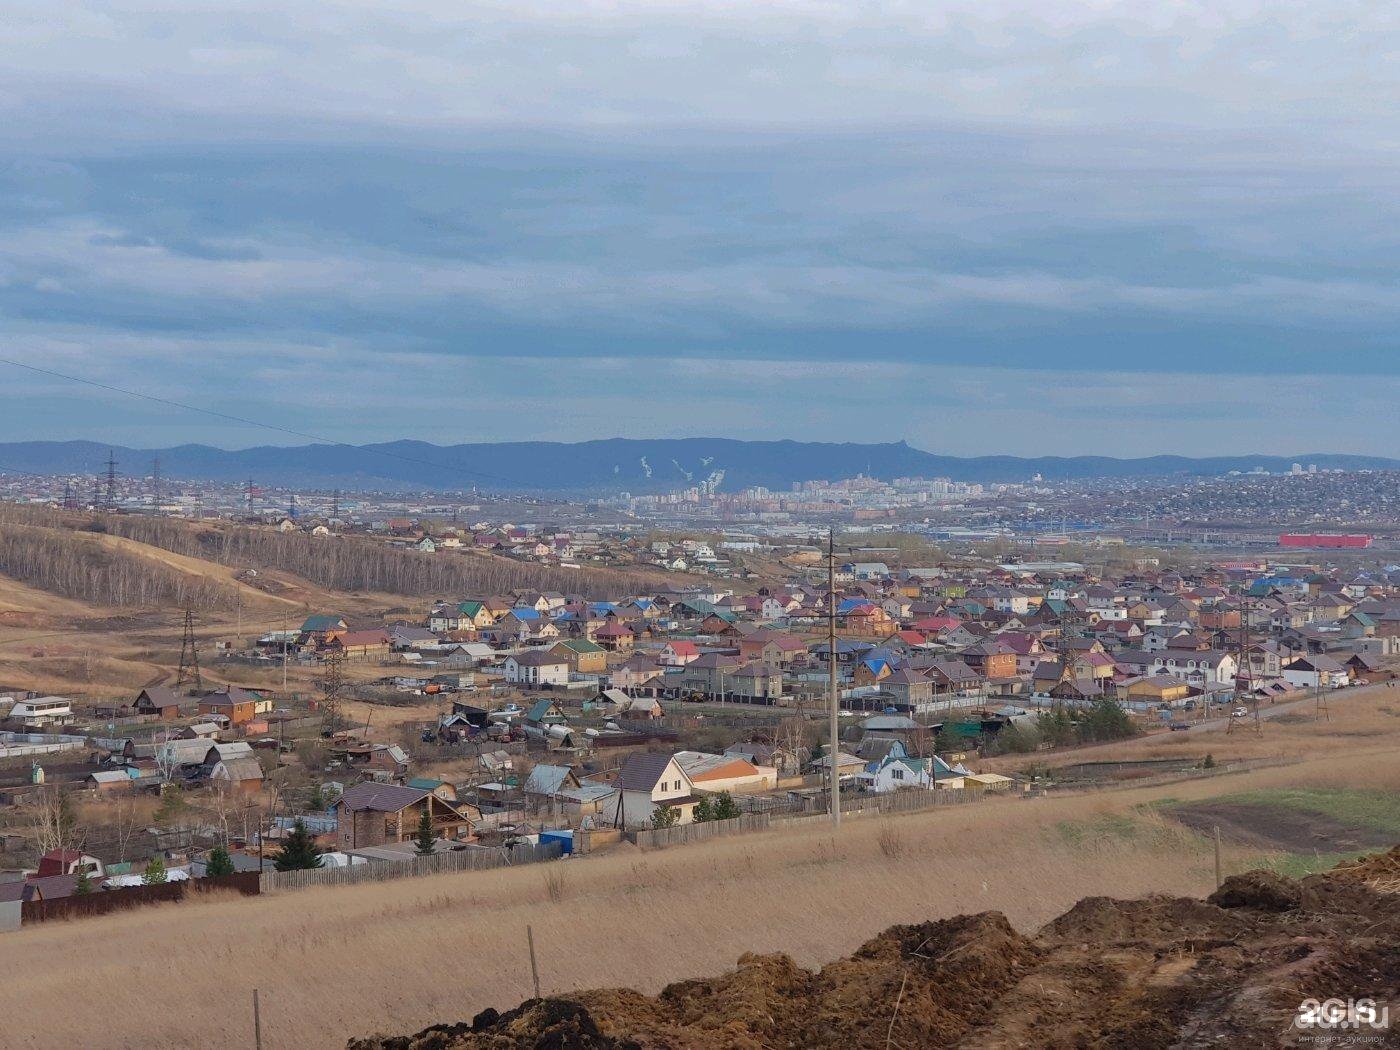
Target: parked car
1178, 727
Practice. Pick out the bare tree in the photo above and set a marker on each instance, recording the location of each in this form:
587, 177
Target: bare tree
219, 806
167, 758
125, 822
790, 743
53, 822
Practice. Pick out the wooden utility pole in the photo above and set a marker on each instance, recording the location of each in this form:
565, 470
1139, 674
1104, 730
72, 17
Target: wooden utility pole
833, 685
284, 654
534, 967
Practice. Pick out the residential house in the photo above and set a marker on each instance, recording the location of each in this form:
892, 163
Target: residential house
42, 712
646, 782
163, 703
583, 656
728, 772
537, 669
372, 814
237, 705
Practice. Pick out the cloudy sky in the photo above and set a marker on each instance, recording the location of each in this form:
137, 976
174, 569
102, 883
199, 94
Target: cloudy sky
982, 226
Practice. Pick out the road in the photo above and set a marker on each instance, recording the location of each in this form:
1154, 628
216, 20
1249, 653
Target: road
1268, 711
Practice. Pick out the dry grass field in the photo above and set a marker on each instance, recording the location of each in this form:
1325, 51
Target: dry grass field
394, 957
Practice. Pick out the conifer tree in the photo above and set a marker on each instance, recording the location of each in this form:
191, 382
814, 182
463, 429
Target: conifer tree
424, 836
219, 863
299, 850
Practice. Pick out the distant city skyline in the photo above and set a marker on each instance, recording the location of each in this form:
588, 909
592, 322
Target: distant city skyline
1101, 230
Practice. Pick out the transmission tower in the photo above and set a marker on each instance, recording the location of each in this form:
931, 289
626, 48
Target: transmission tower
70, 499
110, 500
252, 491
335, 504
155, 483
332, 690
189, 656
292, 507
1244, 698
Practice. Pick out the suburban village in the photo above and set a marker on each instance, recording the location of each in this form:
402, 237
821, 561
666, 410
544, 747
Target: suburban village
544, 726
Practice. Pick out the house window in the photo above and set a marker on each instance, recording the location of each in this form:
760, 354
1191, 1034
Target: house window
899, 774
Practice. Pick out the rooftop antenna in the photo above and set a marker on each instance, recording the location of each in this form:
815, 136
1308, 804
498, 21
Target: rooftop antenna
189, 656
111, 494
832, 685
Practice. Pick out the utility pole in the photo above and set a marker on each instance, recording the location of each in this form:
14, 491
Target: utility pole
189, 656
833, 685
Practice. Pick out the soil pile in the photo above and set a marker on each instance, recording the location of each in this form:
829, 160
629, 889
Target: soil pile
1231, 970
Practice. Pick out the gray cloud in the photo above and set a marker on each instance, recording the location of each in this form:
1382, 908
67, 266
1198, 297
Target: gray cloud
995, 214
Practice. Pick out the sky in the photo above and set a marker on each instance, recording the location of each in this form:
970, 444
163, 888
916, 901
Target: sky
984, 226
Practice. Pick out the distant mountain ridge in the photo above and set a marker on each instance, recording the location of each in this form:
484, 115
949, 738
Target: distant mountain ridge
613, 464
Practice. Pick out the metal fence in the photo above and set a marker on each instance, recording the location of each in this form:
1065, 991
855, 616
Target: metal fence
382, 870
684, 833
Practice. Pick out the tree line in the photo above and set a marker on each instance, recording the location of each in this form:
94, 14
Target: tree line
81, 567
340, 563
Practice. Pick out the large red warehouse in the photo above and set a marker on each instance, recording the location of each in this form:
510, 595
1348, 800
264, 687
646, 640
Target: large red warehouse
1309, 539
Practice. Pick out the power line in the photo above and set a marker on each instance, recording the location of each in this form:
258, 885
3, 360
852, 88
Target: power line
251, 422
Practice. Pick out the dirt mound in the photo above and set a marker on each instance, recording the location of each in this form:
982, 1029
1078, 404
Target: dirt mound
1158, 972
1380, 871
1258, 889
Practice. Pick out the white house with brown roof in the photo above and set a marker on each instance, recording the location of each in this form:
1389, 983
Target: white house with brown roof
646, 782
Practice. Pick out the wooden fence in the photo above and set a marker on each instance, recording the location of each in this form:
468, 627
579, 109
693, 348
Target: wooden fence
99, 902
685, 833
894, 802
382, 870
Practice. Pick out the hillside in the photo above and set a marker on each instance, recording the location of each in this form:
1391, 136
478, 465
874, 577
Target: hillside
92, 605
616, 464
341, 962
122, 560
1148, 973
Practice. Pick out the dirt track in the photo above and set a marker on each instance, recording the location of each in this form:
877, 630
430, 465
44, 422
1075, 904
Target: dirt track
1277, 827
1159, 972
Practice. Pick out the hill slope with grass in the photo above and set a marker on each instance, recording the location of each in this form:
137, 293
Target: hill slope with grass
1154, 972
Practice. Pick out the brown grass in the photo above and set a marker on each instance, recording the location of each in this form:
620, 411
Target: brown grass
396, 956
891, 840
